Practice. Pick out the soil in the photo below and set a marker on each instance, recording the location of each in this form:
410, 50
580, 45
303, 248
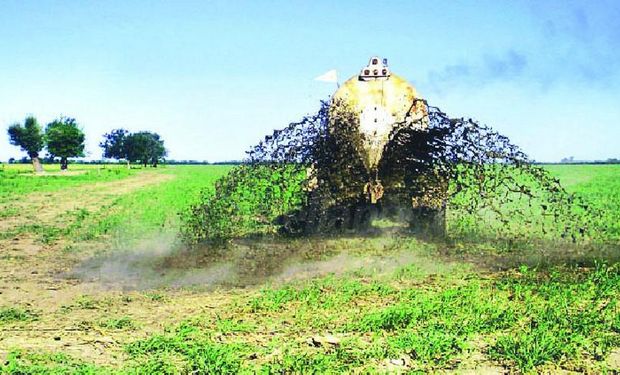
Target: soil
68, 310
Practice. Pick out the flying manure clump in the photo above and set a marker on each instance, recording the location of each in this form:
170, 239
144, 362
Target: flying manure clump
377, 151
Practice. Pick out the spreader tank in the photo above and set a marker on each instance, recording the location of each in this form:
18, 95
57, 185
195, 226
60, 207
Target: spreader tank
381, 100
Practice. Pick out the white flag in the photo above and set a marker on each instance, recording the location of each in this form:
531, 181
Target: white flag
330, 76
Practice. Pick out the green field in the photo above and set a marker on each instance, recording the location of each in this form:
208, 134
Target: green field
93, 280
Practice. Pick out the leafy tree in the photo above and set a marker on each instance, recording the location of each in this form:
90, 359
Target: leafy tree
146, 147
114, 145
64, 140
29, 138
158, 151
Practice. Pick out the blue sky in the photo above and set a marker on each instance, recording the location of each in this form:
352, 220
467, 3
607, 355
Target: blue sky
213, 77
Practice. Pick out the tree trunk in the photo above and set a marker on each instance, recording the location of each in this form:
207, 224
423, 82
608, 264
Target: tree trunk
145, 164
36, 164
63, 163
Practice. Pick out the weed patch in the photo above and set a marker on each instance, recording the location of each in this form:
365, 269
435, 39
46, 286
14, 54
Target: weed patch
15, 314
125, 323
199, 354
21, 362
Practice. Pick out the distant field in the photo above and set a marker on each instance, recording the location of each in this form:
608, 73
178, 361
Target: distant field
132, 212
16, 179
600, 184
334, 305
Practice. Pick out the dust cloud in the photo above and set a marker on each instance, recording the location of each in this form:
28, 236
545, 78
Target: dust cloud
162, 262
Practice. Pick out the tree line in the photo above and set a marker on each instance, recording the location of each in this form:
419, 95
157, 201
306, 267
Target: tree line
145, 147
63, 138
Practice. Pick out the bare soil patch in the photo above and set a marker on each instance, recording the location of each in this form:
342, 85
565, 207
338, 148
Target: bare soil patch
29, 278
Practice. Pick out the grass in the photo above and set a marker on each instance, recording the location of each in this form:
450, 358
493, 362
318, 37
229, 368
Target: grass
528, 320
21, 362
413, 319
15, 181
525, 319
600, 185
577, 319
597, 185
196, 353
15, 314
152, 209
155, 296
124, 322
130, 216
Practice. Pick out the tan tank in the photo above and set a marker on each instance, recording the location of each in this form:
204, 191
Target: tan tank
375, 120
380, 99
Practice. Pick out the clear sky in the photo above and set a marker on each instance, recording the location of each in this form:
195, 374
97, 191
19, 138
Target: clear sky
213, 77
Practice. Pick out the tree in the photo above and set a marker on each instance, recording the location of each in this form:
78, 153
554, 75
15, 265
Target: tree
29, 138
157, 149
114, 145
567, 160
64, 140
145, 147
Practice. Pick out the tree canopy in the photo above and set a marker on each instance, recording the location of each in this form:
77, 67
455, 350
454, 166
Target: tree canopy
29, 137
145, 147
113, 144
64, 140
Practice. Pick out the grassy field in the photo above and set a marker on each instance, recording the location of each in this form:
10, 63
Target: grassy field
92, 281
17, 179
